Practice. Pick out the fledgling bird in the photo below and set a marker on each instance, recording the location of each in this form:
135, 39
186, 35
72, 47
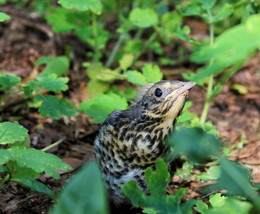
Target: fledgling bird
132, 140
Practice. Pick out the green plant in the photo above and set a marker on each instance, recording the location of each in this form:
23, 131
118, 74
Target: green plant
157, 201
223, 54
84, 192
50, 79
21, 164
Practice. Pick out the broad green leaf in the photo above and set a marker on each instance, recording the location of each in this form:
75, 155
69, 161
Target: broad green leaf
135, 77
201, 207
103, 105
195, 143
231, 206
4, 17
37, 160
54, 83
157, 201
94, 6
55, 107
35, 186
126, 61
4, 156
61, 19
12, 132
226, 51
224, 13
152, 73
84, 193
217, 200
211, 174
143, 18
95, 87
206, 4
54, 65
235, 179
21, 172
8, 80
193, 9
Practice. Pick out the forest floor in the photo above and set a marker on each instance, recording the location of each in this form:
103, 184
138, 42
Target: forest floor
22, 41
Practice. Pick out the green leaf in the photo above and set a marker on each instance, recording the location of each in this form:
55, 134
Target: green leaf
37, 160
35, 186
193, 9
54, 83
54, 65
126, 61
135, 77
94, 6
8, 80
201, 207
11, 133
61, 19
226, 51
143, 18
95, 87
55, 107
235, 179
157, 201
4, 17
21, 172
231, 206
103, 105
212, 173
217, 200
84, 193
152, 73
195, 143
4, 156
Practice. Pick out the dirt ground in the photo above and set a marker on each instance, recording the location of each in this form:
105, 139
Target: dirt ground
22, 41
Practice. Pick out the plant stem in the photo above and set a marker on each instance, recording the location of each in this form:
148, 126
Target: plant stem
6, 178
115, 50
206, 106
95, 36
150, 40
53, 145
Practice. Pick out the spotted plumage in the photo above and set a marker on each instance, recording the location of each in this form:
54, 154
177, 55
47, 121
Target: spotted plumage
132, 140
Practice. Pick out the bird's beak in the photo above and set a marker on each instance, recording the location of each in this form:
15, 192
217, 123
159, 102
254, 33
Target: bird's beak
185, 87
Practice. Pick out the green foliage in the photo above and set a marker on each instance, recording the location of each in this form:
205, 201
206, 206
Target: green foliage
55, 107
103, 105
222, 204
11, 133
198, 146
226, 51
94, 6
143, 18
8, 81
4, 17
84, 192
50, 79
22, 164
157, 201
54, 65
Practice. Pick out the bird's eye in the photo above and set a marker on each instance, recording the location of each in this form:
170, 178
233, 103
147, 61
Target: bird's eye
158, 92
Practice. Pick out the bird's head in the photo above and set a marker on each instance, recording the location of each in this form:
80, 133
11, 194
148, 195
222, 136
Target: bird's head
165, 98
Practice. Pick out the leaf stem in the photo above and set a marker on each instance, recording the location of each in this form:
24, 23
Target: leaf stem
53, 145
208, 99
6, 178
150, 40
95, 36
119, 42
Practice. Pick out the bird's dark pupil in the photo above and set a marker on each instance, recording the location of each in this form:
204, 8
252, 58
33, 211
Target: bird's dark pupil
158, 92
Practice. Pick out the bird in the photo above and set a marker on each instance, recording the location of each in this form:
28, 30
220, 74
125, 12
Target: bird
131, 140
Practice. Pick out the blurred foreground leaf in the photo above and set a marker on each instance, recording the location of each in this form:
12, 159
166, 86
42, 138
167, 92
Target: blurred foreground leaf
84, 193
157, 201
